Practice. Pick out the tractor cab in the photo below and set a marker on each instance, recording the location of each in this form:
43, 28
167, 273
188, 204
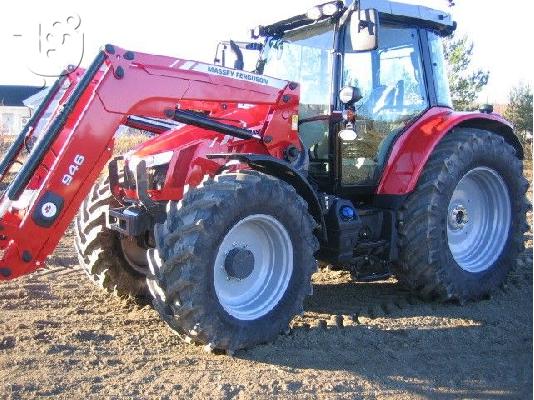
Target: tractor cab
365, 75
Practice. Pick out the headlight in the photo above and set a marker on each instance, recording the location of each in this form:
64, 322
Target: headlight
350, 95
327, 9
314, 13
330, 9
348, 135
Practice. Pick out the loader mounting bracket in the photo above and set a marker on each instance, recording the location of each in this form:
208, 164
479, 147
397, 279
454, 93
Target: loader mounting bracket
129, 221
155, 210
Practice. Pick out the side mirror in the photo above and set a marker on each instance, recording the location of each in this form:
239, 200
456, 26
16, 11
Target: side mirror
364, 30
238, 63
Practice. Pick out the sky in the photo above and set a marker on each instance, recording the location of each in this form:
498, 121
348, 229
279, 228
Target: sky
500, 31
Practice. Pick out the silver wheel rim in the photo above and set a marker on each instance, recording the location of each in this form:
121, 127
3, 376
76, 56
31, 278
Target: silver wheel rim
265, 239
479, 217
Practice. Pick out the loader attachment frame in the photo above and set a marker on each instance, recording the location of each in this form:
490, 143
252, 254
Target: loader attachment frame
76, 144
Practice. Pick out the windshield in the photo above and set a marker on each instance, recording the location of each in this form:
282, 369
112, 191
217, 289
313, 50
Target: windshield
302, 56
305, 56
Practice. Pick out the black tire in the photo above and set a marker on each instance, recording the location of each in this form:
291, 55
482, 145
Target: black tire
187, 243
99, 249
427, 265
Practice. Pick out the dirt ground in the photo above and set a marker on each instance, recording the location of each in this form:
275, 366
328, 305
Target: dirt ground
63, 338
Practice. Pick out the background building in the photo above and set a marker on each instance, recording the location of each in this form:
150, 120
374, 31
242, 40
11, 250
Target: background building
13, 113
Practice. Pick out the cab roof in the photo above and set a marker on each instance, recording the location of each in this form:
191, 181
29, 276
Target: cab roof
423, 14
393, 11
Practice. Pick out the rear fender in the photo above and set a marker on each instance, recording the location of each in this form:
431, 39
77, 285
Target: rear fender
412, 150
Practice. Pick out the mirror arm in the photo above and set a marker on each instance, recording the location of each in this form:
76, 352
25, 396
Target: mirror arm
216, 58
365, 24
239, 63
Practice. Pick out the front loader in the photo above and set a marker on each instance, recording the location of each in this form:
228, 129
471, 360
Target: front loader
341, 147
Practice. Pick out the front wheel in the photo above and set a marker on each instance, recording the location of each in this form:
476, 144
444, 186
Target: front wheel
114, 263
234, 260
462, 228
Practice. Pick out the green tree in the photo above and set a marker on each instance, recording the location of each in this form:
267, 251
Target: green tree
465, 83
519, 109
519, 112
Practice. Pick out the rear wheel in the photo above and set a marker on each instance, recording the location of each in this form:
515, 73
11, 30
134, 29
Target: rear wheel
462, 228
234, 260
113, 262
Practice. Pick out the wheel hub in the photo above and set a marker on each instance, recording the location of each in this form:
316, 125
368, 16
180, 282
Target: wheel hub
458, 217
239, 263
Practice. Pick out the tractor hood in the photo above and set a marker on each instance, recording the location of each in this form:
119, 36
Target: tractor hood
179, 155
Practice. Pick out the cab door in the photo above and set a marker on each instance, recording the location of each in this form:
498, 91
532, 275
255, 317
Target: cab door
391, 80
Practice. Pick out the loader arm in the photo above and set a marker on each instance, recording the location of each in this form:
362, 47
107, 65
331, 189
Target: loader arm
74, 146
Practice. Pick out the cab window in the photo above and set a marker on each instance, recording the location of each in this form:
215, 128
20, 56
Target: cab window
441, 81
391, 82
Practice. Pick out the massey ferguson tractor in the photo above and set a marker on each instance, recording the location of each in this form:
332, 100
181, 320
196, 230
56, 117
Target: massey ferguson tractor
341, 147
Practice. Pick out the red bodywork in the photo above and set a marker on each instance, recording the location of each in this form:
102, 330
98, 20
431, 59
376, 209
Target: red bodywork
412, 150
149, 86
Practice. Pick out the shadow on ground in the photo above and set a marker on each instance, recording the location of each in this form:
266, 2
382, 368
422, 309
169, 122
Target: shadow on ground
480, 350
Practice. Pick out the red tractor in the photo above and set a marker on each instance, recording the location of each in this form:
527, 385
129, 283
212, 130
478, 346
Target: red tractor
341, 146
